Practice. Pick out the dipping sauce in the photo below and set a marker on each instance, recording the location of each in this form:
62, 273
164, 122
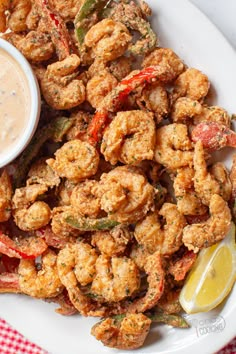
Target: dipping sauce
14, 101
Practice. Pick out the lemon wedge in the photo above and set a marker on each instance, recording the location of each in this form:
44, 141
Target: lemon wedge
212, 276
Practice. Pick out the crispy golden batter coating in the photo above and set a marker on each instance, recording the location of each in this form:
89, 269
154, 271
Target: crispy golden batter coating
173, 146
130, 138
116, 278
99, 86
43, 283
75, 160
108, 39
197, 236
5, 196
167, 58
153, 237
127, 334
216, 181
125, 194
192, 83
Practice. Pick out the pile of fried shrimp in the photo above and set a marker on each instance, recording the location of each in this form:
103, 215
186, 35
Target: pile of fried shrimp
106, 210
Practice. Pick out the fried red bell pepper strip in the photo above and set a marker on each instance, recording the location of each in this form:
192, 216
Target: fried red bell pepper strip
55, 131
117, 96
56, 28
86, 224
180, 268
10, 264
26, 248
52, 239
9, 283
214, 136
82, 19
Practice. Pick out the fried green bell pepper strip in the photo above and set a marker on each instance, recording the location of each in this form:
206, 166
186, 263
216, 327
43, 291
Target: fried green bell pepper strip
86, 224
55, 131
82, 18
173, 320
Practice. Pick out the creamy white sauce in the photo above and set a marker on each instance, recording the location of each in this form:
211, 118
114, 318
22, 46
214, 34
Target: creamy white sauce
14, 101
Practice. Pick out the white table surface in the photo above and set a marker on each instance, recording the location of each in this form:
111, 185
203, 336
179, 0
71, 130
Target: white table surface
223, 14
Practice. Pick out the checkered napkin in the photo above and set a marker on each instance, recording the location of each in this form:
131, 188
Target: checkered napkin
12, 342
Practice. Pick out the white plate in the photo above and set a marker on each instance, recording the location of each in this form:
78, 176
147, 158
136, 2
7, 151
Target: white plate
184, 28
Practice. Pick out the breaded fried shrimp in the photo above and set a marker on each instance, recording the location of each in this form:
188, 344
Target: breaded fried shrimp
150, 234
167, 58
125, 194
113, 242
43, 283
127, 334
216, 181
66, 262
60, 87
192, 83
116, 278
185, 108
84, 199
198, 236
187, 201
173, 146
130, 138
19, 10
75, 160
155, 272
108, 39
154, 98
99, 86
213, 114
5, 196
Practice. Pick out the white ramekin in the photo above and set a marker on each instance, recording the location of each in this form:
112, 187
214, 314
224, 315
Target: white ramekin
9, 155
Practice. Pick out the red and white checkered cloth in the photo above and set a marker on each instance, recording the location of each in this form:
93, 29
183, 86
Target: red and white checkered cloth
12, 342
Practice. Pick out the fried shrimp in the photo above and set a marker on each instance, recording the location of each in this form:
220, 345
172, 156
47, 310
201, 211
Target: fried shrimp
66, 263
185, 108
59, 226
99, 86
43, 283
130, 138
216, 181
84, 199
173, 146
127, 334
116, 278
165, 57
213, 114
167, 240
108, 39
75, 160
156, 275
41, 173
35, 46
28, 213
34, 217
154, 98
198, 236
192, 83
187, 201
67, 9
112, 243
19, 10
60, 87
5, 196
125, 194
